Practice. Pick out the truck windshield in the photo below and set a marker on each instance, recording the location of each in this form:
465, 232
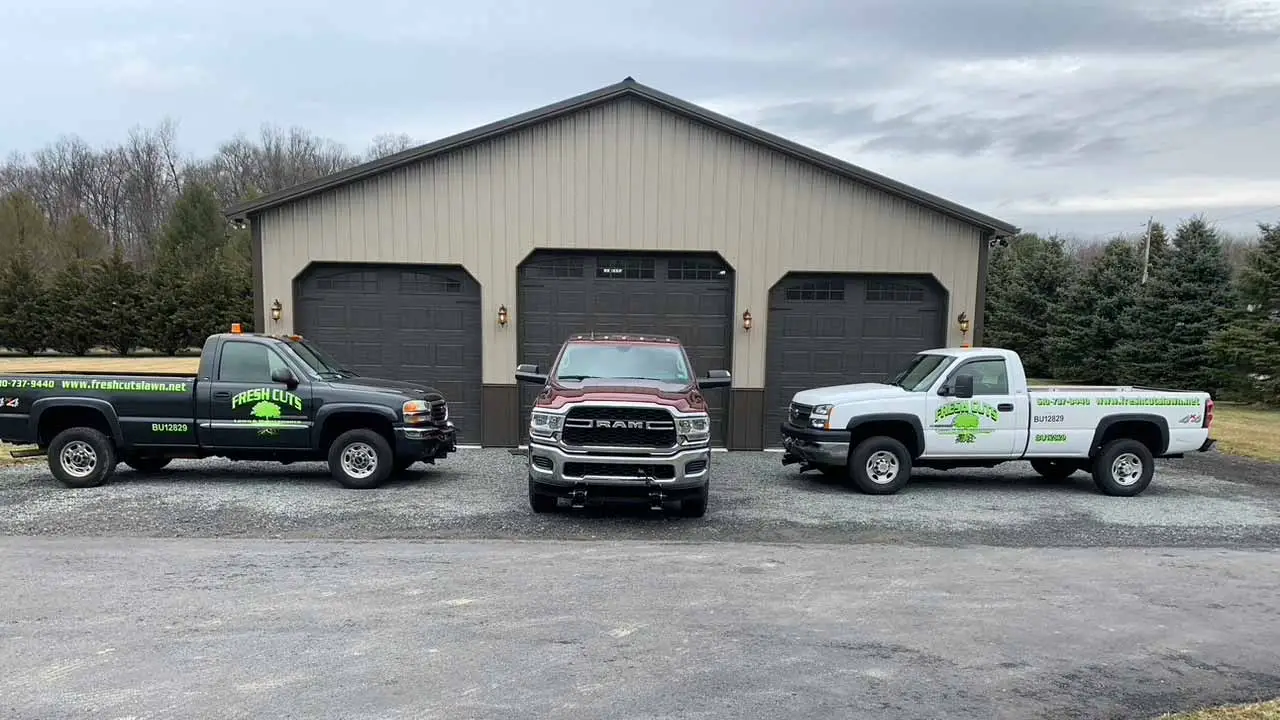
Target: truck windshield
920, 373
318, 360
662, 363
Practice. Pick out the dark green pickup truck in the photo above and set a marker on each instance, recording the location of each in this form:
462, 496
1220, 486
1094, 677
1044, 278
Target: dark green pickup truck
254, 397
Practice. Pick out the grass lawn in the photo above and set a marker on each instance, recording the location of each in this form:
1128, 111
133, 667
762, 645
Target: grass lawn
1248, 432
1259, 711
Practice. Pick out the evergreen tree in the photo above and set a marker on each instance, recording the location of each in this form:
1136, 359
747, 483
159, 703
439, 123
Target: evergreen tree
1169, 338
117, 290
167, 307
1086, 329
24, 305
1025, 284
1250, 345
75, 325
196, 231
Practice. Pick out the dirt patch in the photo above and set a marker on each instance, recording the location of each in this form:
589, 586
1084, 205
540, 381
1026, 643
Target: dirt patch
1257, 711
103, 364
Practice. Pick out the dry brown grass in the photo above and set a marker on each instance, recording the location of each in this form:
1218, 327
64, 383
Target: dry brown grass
1256, 711
1247, 432
7, 459
100, 364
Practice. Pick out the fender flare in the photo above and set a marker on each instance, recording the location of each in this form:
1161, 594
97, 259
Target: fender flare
911, 420
330, 409
39, 407
1161, 423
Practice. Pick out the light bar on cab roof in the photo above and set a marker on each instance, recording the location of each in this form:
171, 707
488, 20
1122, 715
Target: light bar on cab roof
625, 337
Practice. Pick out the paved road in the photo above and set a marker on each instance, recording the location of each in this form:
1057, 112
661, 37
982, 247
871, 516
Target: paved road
146, 628
239, 590
480, 494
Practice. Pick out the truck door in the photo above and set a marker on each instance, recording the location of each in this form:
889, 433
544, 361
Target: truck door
989, 424
247, 409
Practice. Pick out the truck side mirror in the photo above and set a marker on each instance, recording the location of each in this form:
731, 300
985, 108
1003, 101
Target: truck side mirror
285, 377
527, 372
963, 387
715, 379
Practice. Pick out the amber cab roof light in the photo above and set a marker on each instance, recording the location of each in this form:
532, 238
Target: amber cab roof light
235, 328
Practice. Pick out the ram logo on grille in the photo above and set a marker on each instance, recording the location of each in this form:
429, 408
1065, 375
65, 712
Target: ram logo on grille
630, 424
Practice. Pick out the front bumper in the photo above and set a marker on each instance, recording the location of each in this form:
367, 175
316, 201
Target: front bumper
814, 447
429, 443
552, 467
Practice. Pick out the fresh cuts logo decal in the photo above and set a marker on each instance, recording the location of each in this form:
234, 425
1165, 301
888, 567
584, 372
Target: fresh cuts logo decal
266, 412
966, 419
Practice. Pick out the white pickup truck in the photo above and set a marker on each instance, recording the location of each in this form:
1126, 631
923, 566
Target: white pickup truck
972, 407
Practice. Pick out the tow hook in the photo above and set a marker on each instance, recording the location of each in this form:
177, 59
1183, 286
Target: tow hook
656, 496
578, 497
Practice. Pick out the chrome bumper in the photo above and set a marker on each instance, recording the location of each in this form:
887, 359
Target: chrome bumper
550, 465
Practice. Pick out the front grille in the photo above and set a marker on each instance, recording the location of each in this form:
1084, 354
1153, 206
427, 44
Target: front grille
439, 412
639, 472
798, 414
619, 427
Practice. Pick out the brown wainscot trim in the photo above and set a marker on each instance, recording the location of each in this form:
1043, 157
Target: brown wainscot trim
500, 415
746, 419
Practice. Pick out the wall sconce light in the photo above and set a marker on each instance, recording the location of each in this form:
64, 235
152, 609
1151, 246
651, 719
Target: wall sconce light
746, 319
502, 315
963, 321
276, 309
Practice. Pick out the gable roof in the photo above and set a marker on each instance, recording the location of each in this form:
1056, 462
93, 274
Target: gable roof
627, 88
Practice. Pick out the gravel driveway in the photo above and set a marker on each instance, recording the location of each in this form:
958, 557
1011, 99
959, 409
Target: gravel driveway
1202, 502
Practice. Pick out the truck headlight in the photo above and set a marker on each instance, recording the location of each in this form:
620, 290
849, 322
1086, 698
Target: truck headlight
694, 428
415, 412
820, 417
541, 423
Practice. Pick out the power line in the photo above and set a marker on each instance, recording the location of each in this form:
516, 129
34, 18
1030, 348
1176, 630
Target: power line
1147, 224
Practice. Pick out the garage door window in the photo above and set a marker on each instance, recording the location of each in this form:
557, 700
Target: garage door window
817, 291
693, 270
878, 291
629, 269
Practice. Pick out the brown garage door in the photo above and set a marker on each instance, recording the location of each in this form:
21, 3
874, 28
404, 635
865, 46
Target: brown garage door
404, 322
828, 329
688, 296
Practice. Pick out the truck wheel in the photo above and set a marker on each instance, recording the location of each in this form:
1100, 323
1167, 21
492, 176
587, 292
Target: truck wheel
539, 502
879, 466
360, 459
1124, 468
147, 465
695, 506
81, 457
1054, 469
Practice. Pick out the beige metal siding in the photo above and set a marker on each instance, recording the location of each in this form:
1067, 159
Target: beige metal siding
627, 175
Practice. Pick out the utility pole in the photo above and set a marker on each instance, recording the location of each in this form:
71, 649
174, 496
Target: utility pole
1146, 251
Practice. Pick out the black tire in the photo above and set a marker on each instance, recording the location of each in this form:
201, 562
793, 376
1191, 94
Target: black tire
369, 450
539, 502
695, 506
86, 449
1054, 469
1109, 471
147, 465
896, 456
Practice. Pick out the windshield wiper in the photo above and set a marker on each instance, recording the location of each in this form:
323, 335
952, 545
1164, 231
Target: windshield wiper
577, 377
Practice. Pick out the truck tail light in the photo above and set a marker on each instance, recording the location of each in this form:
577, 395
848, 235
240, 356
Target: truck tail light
1208, 414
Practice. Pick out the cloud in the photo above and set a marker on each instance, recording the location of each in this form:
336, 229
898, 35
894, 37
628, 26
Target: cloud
1084, 115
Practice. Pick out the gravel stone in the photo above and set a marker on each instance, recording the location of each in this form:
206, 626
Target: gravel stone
1209, 501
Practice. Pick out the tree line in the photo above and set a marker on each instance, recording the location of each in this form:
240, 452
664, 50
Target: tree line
1176, 312
126, 247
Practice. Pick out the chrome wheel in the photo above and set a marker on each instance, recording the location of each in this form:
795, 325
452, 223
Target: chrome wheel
359, 460
1126, 469
882, 467
78, 459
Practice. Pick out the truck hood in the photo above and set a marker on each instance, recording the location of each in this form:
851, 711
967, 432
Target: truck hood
414, 390
839, 394
682, 397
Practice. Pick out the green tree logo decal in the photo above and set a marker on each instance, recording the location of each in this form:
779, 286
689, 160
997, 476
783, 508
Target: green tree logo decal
967, 427
265, 412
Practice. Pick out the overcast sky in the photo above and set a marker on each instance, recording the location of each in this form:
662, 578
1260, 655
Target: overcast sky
1076, 116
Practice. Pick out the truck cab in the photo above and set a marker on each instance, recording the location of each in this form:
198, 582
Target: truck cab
618, 417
